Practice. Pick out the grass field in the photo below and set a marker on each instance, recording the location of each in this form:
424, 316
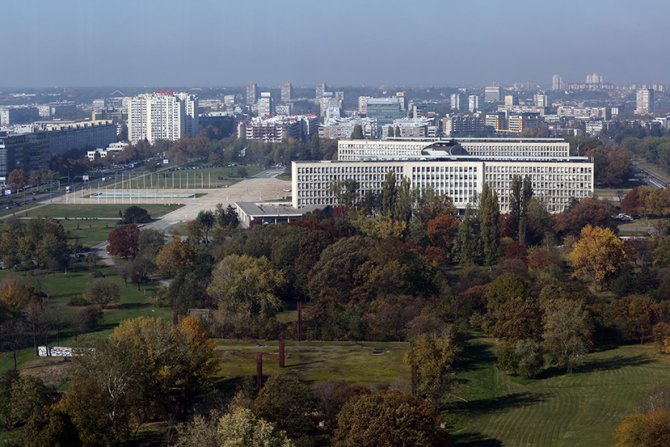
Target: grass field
80, 221
184, 178
367, 363
89, 211
578, 409
61, 287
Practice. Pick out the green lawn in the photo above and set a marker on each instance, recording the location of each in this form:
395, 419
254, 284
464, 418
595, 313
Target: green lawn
368, 363
579, 409
61, 287
81, 221
95, 210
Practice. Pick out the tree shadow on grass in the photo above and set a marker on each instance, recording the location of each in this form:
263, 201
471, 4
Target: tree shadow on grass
128, 306
475, 440
475, 356
498, 403
599, 365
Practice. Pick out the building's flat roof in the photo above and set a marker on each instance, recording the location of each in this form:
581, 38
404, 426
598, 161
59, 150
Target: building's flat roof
270, 209
428, 158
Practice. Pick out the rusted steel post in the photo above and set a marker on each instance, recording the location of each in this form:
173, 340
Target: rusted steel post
259, 370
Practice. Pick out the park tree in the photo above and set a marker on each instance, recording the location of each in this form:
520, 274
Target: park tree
388, 418
516, 319
489, 220
146, 369
467, 246
644, 429
16, 179
588, 211
150, 242
226, 217
175, 257
123, 241
345, 191
442, 231
102, 291
246, 285
289, 404
241, 428
389, 195
529, 358
135, 215
206, 220
521, 193
613, 165
434, 356
567, 331
23, 396
334, 275
599, 253
49, 426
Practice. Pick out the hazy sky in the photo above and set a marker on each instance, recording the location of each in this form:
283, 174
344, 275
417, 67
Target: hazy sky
343, 42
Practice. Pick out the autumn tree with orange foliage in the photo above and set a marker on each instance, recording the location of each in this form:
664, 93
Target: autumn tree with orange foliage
599, 253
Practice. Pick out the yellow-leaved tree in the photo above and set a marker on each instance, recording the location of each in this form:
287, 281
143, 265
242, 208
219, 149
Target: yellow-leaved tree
599, 253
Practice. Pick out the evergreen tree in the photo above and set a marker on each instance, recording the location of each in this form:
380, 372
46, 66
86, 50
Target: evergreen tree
489, 218
526, 196
466, 247
389, 195
389, 132
404, 201
397, 131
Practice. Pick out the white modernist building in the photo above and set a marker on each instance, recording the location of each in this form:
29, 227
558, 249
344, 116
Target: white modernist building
555, 181
162, 115
350, 150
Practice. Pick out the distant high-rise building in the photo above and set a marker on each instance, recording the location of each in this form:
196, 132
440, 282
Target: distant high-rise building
455, 102
473, 103
162, 115
644, 101
252, 94
510, 101
594, 78
286, 92
339, 96
541, 100
265, 104
557, 83
363, 105
385, 110
320, 89
492, 93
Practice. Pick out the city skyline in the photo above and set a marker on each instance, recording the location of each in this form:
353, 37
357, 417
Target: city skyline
208, 43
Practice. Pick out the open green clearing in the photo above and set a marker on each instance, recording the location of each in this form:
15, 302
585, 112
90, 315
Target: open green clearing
91, 211
81, 221
184, 178
61, 287
367, 363
578, 409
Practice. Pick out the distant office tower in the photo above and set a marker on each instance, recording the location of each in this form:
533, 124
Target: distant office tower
644, 101
541, 100
252, 94
492, 93
339, 96
385, 110
286, 92
594, 78
265, 104
473, 103
162, 115
320, 89
510, 101
557, 83
363, 105
455, 102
